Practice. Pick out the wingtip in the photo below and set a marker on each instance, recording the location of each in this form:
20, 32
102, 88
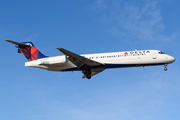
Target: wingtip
58, 48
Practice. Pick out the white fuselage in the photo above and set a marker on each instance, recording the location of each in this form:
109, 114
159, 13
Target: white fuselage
110, 60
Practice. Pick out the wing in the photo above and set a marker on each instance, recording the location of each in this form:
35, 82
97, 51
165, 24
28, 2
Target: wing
83, 63
78, 60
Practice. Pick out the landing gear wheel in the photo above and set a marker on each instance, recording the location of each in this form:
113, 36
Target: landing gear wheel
87, 73
88, 76
84, 71
165, 67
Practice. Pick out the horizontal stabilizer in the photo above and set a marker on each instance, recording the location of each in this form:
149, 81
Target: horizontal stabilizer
17, 43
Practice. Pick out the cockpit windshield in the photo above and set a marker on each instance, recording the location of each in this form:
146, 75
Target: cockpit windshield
161, 52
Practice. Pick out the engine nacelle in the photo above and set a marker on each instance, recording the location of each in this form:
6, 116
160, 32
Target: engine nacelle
54, 61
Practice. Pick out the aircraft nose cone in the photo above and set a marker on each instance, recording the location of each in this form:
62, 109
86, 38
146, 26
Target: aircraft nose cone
172, 59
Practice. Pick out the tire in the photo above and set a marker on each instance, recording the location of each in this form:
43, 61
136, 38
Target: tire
88, 76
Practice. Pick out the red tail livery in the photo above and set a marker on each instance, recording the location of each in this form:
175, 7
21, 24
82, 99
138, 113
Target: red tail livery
29, 50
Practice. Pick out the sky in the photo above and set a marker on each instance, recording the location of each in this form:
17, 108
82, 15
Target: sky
89, 26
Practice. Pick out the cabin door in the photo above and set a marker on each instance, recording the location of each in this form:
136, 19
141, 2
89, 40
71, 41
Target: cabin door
154, 55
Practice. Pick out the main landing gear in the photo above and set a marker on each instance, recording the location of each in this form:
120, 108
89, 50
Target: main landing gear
165, 67
87, 73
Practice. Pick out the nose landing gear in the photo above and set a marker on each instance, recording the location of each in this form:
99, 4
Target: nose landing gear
165, 67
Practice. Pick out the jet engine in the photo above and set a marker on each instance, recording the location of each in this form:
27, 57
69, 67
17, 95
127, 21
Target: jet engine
54, 61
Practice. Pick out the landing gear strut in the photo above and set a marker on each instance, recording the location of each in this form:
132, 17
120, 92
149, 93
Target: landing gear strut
165, 67
87, 73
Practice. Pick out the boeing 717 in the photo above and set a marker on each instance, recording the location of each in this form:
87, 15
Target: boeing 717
91, 64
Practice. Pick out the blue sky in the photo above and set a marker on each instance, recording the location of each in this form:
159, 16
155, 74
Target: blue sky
94, 26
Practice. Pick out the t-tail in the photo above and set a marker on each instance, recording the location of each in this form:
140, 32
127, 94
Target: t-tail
28, 50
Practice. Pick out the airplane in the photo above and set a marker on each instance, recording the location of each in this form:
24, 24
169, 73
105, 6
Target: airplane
91, 64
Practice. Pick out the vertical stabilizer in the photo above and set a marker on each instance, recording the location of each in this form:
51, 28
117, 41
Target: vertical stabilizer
29, 50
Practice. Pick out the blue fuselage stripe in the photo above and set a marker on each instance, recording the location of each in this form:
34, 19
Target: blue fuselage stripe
106, 66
